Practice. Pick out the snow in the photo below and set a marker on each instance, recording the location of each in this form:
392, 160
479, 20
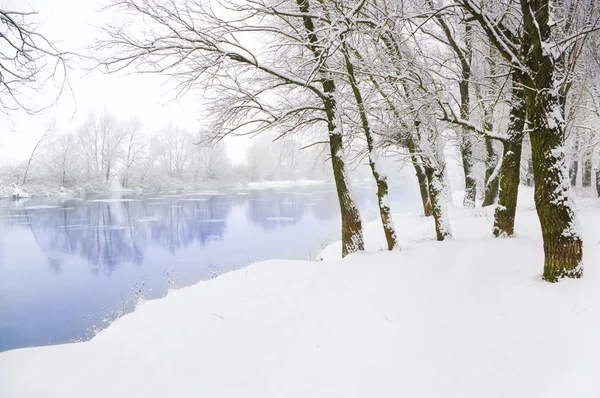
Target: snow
467, 317
283, 184
113, 200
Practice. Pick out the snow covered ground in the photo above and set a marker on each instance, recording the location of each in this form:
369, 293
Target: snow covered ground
469, 317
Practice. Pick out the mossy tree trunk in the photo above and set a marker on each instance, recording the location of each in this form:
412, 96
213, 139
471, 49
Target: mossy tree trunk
562, 242
504, 216
378, 174
352, 234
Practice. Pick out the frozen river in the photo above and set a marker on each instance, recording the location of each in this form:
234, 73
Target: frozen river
68, 267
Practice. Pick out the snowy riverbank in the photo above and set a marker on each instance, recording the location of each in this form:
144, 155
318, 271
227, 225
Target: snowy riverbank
469, 317
45, 190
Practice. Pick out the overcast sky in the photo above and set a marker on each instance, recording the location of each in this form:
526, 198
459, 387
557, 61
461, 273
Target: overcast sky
72, 25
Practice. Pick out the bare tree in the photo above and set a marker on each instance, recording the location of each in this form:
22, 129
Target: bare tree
29, 63
189, 42
39, 146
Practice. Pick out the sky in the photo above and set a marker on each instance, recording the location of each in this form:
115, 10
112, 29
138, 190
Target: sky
72, 25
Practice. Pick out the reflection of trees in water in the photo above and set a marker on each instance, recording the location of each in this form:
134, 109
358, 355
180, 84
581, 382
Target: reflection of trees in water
109, 233
274, 209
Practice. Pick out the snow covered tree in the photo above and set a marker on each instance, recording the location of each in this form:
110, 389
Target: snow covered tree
187, 41
543, 56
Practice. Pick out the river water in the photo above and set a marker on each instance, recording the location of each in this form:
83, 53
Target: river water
68, 267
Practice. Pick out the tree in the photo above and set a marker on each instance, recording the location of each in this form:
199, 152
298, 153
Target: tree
100, 140
39, 146
135, 145
187, 41
29, 63
543, 61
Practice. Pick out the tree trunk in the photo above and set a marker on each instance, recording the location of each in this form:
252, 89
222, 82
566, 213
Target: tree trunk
510, 170
504, 216
562, 242
586, 170
352, 236
598, 180
466, 152
378, 174
421, 176
529, 174
491, 174
435, 180
574, 166
435, 184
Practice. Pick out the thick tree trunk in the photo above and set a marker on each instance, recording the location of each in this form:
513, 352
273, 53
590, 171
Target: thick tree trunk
491, 174
378, 174
562, 242
504, 216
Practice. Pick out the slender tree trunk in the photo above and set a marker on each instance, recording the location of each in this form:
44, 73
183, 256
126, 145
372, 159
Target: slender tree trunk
421, 176
378, 174
435, 180
563, 247
352, 236
436, 186
586, 170
510, 170
529, 176
465, 111
598, 179
491, 174
574, 166
466, 152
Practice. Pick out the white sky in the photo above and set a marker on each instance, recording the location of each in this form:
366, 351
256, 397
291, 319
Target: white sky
71, 24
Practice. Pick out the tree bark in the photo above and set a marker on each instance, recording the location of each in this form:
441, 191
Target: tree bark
574, 166
562, 242
491, 176
378, 175
421, 176
434, 171
586, 170
466, 146
504, 216
352, 235
435, 180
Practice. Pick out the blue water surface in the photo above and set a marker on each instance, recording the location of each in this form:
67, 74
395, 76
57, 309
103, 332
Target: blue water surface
68, 267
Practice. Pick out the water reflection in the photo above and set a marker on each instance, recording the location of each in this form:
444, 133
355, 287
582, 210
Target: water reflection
141, 245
